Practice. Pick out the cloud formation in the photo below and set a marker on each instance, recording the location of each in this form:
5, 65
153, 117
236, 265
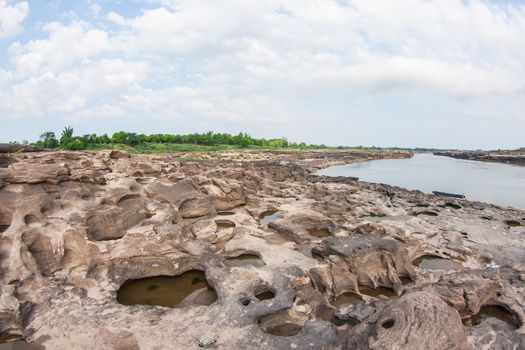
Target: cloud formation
237, 60
11, 18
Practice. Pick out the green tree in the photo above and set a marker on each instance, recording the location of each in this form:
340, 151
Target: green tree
67, 135
48, 140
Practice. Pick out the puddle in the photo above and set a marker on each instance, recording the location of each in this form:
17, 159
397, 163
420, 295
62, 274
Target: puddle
281, 324
269, 216
491, 311
379, 292
244, 260
187, 289
348, 299
319, 232
20, 345
431, 262
512, 223
515, 226
225, 213
373, 218
405, 280
452, 206
517, 229
224, 224
427, 213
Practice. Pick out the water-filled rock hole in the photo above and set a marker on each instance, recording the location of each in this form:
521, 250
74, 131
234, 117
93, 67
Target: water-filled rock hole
189, 288
244, 260
431, 262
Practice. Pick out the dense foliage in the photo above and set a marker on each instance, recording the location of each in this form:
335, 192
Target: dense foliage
241, 140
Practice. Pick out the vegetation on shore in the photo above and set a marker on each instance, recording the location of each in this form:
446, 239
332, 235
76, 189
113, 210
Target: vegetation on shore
164, 142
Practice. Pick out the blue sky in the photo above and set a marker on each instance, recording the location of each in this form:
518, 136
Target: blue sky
414, 73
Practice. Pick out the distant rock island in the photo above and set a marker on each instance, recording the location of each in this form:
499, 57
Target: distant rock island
507, 157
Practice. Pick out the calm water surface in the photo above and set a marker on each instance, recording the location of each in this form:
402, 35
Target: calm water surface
495, 183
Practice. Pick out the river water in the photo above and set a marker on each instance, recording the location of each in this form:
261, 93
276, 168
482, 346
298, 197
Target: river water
495, 183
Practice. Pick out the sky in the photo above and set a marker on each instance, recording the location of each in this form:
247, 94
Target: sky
407, 73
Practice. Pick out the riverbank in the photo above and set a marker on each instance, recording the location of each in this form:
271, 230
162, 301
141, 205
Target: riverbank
290, 259
507, 157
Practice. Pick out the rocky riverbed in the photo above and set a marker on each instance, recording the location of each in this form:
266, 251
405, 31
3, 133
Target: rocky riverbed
507, 157
248, 251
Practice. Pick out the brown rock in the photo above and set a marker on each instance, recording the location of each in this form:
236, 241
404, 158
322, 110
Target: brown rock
413, 322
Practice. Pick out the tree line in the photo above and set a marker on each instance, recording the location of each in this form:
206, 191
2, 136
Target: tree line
68, 141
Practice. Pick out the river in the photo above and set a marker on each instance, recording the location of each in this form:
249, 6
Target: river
494, 183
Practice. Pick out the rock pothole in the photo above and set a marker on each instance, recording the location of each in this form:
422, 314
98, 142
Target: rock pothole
285, 323
269, 216
348, 298
488, 312
319, 233
264, 293
5, 218
224, 224
378, 292
244, 260
187, 289
432, 262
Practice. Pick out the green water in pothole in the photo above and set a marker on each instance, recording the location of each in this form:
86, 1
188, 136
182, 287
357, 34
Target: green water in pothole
430, 262
269, 216
245, 260
184, 290
491, 311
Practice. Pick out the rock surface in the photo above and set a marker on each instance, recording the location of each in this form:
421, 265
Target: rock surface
76, 226
508, 157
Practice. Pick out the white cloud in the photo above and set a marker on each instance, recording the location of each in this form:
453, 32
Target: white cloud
115, 18
235, 60
11, 18
65, 45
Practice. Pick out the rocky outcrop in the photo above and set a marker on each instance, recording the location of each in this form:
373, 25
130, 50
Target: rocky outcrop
507, 157
414, 321
339, 263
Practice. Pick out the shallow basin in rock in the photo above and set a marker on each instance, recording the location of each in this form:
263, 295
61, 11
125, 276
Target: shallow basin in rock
269, 216
512, 223
379, 292
245, 260
452, 206
491, 311
282, 323
320, 233
431, 262
405, 280
348, 299
224, 224
379, 218
264, 293
189, 288
20, 345
427, 213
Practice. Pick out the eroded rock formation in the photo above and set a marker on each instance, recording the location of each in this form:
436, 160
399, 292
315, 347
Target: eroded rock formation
291, 260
